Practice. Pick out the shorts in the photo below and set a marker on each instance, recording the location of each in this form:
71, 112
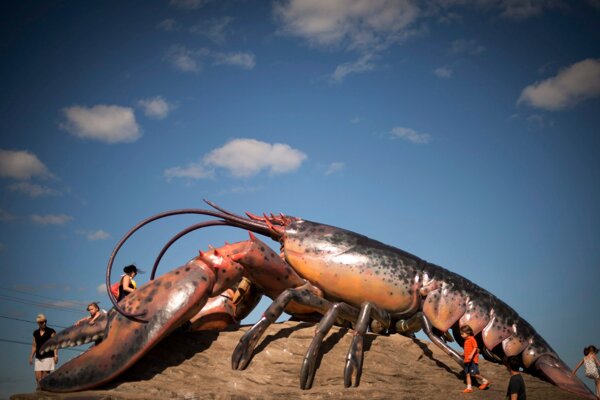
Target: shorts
45, 364
471, 368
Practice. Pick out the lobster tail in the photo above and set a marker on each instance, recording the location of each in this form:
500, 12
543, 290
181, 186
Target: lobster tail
558, 373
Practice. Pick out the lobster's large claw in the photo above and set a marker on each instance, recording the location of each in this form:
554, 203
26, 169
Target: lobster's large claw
556, 372
78, 334
167, 302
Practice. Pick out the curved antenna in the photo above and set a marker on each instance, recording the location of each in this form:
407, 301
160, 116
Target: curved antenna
184, 232
229, 219
219, 208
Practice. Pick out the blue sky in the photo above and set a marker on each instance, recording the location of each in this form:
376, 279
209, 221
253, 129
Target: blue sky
466, 134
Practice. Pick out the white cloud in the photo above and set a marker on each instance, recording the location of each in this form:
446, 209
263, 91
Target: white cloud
189, 60
156, 107
51, 219
572, 85
355, 67
247, 157
32, 190
101, 289
353, 24
21, 164
410, 135
463, 46
335, 167
168, 25
109, 124
188, 4
94, 235
242, 158
191, 171
443, 72
215, 29
185, 59
237, 59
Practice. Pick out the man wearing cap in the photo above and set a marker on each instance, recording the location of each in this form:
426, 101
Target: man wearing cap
44, 363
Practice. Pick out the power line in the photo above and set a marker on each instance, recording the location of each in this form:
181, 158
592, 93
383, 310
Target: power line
39, 295
40, 304
29, 344
30, 322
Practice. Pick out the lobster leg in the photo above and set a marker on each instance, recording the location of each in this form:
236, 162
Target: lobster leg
304, 294
307, 372
354, 360
420, 321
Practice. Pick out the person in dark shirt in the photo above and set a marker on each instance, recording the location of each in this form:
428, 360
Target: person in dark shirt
45, 362
516, 384
127, 284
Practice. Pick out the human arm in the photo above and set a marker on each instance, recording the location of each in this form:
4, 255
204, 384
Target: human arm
470, 349
125, 284
93, 319
81, 320
32, 351
472, 353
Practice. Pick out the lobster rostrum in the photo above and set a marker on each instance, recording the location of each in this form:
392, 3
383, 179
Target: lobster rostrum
342, 275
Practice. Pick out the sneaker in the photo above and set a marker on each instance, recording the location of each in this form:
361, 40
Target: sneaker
484, 386
468, 390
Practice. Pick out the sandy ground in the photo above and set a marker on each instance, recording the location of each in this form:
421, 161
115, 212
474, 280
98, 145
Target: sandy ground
198, 366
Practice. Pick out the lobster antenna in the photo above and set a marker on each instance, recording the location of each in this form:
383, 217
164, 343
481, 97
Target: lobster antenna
227, 217
178, 236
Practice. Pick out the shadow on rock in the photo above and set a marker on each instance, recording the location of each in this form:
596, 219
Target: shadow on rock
175, 349
427, 352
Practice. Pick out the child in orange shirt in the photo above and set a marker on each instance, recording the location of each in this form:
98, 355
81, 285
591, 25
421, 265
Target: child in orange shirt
471, 358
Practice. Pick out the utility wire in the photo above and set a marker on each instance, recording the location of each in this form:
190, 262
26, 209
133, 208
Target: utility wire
29, 344
40, 304
39, 295
31, 322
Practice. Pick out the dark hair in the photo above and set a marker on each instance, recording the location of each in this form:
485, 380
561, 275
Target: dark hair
513, 362
130, 268
590, 349
466, 329
93, 304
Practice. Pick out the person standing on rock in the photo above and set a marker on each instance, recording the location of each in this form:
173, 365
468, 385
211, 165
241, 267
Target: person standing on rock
471, 359
516, 384
46, 362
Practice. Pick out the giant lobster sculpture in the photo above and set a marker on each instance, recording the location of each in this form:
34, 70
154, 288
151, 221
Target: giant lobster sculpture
339, 274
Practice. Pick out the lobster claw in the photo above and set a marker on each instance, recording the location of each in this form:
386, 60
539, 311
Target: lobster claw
556, 372
77, 335
168, 302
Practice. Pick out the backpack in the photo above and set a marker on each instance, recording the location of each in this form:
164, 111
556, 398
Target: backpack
114, 289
